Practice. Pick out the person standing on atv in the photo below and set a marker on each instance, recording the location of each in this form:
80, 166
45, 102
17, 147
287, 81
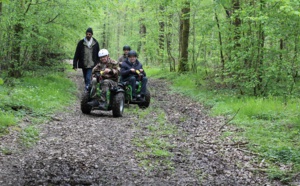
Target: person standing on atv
122, 58
109, 70
132, 71
86, 56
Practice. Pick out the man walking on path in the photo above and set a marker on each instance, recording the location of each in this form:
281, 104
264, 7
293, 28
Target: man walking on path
86, 56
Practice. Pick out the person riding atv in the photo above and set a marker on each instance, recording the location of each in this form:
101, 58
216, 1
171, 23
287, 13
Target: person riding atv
133, 74
105, 94
109, 71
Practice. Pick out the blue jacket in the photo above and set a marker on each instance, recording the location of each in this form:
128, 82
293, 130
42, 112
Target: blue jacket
127, 65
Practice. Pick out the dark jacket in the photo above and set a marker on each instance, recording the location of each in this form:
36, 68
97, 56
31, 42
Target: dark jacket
122, 58
78, 60
127, 65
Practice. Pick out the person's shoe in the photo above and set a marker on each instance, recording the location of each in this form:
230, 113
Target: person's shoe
93, 103
103, 105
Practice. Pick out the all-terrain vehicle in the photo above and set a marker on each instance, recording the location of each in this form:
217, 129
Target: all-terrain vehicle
114, 96
128, 92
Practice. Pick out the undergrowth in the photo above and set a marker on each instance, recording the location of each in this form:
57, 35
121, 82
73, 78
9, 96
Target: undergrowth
29, 136
271, 124
153, 139
33, 98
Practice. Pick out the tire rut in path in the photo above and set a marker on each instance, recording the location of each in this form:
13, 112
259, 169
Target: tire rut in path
97, 149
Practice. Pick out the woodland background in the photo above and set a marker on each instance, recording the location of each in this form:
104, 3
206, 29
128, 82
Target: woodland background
238, 57
251, 46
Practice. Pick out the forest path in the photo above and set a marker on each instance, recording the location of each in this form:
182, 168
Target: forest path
97, 149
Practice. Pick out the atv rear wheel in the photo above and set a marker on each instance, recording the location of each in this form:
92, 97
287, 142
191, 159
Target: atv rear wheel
146, 103
118, 104
85, 108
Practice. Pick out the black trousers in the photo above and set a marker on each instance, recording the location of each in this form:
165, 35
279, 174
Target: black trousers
132, 81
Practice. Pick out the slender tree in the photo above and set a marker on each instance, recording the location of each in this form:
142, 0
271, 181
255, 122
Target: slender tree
161, 35
184, 37
194, 63
236, 22
142, 31
258, 89
171, 58
14, 70
220, 42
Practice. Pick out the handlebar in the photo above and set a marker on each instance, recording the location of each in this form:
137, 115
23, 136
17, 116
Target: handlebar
99, 75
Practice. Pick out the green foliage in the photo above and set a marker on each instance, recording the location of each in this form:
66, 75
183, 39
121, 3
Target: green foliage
270, 124
6, 120
34, 97
259, 53
43, 94
37, 34
276, 174
6, 151
285, 155
261, 59
29, 136
270, 108
259, 43
188, 84
154, 148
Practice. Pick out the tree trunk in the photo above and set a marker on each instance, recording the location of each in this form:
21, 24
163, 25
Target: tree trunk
15, 64
118, 36
228, 48
171, 59
161, 36
185, 19
258, 89
221, 43
237, 23
180, 36
0, 8
281, 48
105, 27
1, 46
194, 58
295, 70
142, 31
104, 44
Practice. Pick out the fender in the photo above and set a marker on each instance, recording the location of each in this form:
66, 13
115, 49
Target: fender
117, 89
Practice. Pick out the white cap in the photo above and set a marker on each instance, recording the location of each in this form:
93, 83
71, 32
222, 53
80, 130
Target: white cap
103, 52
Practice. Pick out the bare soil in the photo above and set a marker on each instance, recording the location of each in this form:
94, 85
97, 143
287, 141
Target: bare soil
98, 149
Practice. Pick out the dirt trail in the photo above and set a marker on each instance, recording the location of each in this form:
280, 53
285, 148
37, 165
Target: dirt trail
97, 149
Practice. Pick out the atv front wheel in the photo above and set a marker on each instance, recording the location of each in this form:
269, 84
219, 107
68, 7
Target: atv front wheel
146, 103
85, 108
118, 104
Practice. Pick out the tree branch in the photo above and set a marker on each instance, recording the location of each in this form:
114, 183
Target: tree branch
246, 151
52, 20
27, 9
239, 143
229, 119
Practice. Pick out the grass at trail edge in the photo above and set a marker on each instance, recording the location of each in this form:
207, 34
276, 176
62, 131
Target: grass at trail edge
270, 124
33, 98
